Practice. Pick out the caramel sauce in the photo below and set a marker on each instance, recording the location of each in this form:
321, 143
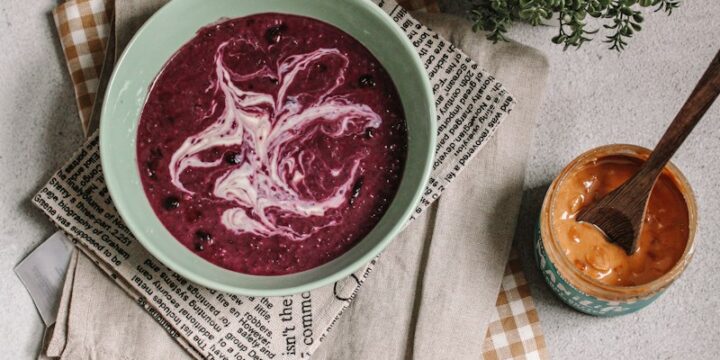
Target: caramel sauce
663, 237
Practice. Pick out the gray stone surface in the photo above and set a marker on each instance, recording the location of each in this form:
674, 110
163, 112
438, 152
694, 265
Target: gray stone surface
39, 131
594, 97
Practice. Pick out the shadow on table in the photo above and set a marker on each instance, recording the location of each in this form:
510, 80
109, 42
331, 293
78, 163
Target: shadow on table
524, 237
60, 133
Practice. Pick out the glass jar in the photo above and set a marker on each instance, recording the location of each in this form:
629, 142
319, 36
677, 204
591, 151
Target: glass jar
583, 292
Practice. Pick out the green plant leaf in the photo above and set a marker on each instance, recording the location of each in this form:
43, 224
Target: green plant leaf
619, 19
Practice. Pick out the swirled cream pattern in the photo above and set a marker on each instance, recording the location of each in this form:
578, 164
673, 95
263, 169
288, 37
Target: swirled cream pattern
268, 181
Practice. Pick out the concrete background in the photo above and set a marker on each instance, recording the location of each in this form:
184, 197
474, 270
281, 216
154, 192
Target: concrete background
594, 97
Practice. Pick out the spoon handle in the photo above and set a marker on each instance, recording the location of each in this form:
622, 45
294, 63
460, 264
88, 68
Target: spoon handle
689, 115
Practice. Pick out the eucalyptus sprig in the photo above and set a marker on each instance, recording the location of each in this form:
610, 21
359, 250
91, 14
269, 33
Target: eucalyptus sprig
621, 18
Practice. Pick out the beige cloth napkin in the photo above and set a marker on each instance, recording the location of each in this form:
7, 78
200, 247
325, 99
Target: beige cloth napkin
431, 294
436, 304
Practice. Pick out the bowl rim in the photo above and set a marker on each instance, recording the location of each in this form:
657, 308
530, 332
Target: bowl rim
113, 179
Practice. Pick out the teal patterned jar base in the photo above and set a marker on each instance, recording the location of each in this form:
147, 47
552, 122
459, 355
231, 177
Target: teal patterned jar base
577, 299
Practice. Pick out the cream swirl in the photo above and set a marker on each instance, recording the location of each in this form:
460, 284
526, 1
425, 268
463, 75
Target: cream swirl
267, 183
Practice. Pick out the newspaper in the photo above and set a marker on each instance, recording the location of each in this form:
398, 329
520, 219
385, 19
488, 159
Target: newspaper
215, 325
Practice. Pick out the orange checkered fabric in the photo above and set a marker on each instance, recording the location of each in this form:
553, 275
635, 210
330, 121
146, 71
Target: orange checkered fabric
514, 330
84, 25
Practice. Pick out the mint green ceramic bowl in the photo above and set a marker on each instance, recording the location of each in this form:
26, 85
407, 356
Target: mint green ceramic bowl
165, 33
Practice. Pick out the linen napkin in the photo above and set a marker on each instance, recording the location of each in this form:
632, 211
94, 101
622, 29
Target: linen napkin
78, 324
436, 282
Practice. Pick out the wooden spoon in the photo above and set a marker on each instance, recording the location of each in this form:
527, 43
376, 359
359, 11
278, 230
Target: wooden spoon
620, 213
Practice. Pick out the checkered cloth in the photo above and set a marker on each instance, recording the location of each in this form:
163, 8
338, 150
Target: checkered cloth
84, 25
514, 331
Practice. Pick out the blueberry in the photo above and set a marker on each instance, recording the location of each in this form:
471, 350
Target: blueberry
204, 236
369, 133
150, 170
199, 246
366, 81
274, 34
233, 158
356, 190
156, 153
171, 202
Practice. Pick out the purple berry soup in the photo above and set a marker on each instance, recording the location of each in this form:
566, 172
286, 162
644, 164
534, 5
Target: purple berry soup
271, 144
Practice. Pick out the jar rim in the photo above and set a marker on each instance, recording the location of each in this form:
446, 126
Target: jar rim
595, 286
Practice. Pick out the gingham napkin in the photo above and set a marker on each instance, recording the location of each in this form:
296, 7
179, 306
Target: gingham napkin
83, 25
